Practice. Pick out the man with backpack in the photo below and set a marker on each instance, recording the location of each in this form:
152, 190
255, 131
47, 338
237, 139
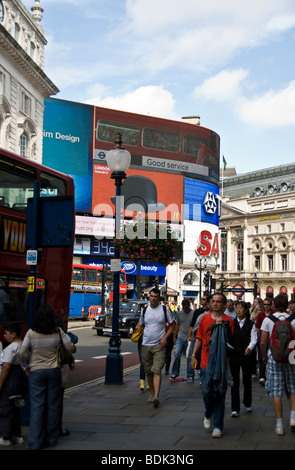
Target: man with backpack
277, 335
154, 319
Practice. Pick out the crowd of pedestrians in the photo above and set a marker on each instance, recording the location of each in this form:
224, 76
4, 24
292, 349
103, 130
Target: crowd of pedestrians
222, 341
226, 344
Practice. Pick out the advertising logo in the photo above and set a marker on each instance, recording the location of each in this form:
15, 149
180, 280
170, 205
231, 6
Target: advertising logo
210, 203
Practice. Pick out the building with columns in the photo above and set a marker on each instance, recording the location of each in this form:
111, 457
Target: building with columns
257, 231
23, 83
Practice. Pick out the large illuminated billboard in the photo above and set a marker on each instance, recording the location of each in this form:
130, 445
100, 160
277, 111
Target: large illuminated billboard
201, 201
68, 145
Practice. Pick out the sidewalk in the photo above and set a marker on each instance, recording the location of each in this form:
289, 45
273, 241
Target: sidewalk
118, 417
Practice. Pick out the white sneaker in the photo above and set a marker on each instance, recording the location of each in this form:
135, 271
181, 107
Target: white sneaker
207, 423
217, 432
5, 442
17, 439
234, 414
292, 424
279, 430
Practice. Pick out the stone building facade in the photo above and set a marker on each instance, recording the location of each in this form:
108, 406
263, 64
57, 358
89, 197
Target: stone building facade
23, 83
257, 231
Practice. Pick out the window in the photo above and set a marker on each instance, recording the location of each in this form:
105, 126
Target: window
161, 139
106, 131
239, 232
16, 185
257, 262
191, 144
224, 257
190, 279
268, 228
32, 50
240, 257
282, 227
270, 262
284, 262
16, 31
26, 104
256, 229
23, 145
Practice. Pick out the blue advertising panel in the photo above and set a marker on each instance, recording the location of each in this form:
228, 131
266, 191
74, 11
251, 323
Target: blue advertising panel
68, 145
202, 201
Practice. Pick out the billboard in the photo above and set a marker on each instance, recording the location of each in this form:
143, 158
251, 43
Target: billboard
201, 201
169, 191
201, 241
68, 145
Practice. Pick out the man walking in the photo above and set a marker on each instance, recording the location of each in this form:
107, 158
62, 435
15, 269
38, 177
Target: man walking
214, 331
154, 319
183, 321
280, 376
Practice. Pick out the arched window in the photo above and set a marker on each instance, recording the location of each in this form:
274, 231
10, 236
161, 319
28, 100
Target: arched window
23, 145
190, 279
240, 257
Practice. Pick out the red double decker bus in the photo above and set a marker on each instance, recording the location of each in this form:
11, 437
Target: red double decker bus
54, 271
86, 289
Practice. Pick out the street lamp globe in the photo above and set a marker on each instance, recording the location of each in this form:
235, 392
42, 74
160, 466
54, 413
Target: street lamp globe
118, 159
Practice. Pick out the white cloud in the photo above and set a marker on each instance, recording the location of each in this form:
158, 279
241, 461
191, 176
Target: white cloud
271, 110
152, 100
225, 86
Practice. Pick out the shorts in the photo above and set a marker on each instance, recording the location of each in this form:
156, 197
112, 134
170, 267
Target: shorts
280, 377
153, 358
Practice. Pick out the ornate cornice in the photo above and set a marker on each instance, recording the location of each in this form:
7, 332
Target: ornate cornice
27, 67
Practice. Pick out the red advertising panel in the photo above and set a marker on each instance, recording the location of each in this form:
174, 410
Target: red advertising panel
169, 191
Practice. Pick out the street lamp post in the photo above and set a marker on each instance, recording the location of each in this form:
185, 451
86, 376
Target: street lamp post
118, 160
200, 267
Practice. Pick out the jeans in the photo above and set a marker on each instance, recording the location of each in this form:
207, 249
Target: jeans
45, 391
214, 405
180, 348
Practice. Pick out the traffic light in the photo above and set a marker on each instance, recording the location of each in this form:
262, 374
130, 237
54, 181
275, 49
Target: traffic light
157, 282
206, 278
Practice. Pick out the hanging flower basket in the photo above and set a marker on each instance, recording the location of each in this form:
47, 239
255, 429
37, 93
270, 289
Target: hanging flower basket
147, 240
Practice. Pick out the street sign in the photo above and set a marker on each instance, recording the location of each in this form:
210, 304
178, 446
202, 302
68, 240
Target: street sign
32, 257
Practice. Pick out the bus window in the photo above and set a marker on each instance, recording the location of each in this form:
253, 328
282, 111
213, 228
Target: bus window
161, 139
13, 298
106, 131
78, 274
16, 185
90, 275
52, 186
191, 144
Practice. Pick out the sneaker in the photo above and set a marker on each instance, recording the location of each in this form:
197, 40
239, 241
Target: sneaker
17, 439
279, 430
151, 398
141, 385
217, 432
5, 442
249, 409
173, 377
261, 381
207, 423
292, 424
190, 380
234, 414
156, 402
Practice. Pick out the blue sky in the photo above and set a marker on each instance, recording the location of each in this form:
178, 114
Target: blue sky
230, 62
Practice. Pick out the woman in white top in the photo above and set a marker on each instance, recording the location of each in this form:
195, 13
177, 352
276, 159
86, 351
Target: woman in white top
40, 347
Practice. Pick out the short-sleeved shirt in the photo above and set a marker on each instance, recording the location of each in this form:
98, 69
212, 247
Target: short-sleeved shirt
154, 324
204, 334
10, 354
268, 324
184, 321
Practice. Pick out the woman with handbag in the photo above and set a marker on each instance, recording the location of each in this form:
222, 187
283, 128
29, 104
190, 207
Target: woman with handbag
12, 387
40, 347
